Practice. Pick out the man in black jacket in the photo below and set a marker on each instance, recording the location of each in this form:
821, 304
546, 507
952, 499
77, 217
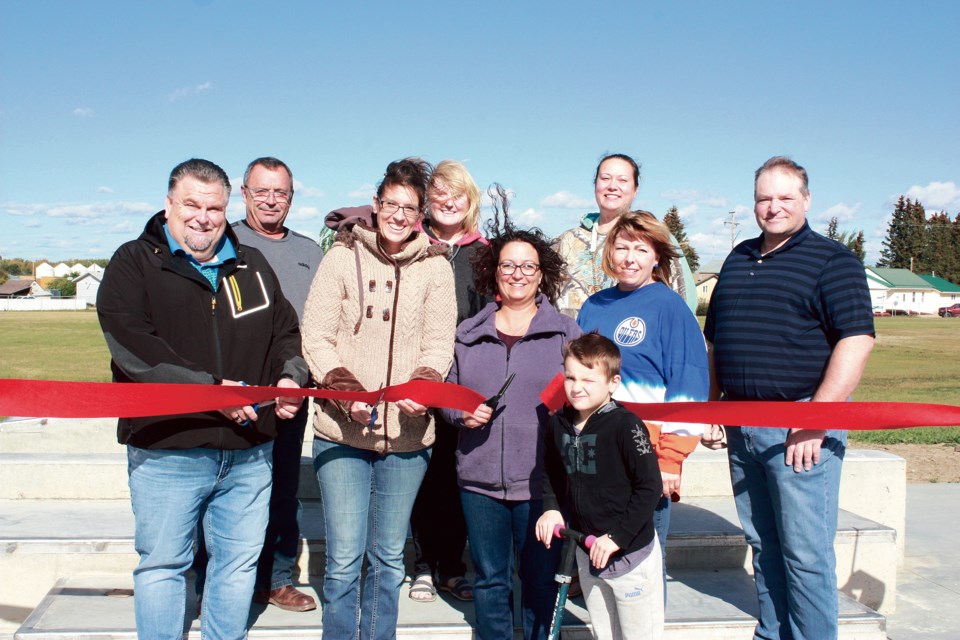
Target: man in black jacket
186, 303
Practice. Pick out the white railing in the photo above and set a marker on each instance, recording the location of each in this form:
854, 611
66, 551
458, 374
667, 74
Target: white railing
42, 304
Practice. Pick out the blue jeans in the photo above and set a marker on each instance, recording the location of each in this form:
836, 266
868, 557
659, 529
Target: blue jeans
367, 500
170, 490
661, 522
499, 530
790, 520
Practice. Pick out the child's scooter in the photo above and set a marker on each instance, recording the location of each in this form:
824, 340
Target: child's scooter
565, 571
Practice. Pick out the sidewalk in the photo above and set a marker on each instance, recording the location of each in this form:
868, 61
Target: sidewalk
928, 590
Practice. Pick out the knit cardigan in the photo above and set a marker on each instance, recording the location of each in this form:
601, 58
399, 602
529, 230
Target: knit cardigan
373, 320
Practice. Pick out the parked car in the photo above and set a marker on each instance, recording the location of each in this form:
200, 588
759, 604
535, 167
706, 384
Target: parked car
953, 311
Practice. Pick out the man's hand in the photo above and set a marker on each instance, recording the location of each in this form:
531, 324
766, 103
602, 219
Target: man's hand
671, 483
713, 436
360, 412
546, 524
803, 448
601, 551
237, 415
287, 406
478, 418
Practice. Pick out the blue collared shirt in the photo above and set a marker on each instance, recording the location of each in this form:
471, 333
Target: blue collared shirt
209, 269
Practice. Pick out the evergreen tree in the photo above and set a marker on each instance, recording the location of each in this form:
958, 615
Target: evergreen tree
903, 246
853, 240
675, 225
940, 248
832, 229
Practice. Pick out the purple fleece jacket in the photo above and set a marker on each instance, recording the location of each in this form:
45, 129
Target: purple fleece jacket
504, 458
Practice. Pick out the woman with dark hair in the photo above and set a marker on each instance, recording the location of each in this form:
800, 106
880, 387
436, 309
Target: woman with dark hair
381, 311
519, 337
663, 354
439, 531
615, 185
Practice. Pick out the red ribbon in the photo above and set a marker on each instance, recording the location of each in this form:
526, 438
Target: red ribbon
801, 415
133, 400
106, 399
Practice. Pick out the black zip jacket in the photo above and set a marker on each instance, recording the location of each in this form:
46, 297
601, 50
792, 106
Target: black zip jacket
606, 477
164, 323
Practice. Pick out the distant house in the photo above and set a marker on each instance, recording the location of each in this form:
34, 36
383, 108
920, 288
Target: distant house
949, 292
705, 284
899, 291
95, 269
44, 270
22, 288
62, 270
87, 286
78, 269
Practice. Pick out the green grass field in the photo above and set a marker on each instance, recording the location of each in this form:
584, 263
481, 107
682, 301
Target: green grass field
914, 360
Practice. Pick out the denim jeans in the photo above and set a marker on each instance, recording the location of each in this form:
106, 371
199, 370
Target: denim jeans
790, 520
661, 523
367, 500
282, 541
439, 532
170, 490
500, 530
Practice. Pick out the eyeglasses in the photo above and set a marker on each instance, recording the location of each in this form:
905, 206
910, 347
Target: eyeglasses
527, 268
389, 207
280, 195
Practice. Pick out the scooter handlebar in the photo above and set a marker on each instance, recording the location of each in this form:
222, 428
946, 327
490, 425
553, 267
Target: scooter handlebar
559, 531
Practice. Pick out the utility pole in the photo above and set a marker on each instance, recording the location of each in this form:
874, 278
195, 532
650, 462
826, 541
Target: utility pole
733, 228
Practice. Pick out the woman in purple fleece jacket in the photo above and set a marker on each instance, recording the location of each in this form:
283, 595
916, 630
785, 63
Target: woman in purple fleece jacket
500, 450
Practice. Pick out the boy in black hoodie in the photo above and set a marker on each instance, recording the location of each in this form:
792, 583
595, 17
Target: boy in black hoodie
601, 467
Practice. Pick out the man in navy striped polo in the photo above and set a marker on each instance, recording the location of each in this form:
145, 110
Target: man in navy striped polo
791, 320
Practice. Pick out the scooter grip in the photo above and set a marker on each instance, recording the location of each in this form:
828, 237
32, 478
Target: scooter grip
589, 541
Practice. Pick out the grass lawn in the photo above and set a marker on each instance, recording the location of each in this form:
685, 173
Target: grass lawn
914, 360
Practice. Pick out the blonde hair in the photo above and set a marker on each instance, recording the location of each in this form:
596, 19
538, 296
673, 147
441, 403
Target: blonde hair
644, 226
455, 177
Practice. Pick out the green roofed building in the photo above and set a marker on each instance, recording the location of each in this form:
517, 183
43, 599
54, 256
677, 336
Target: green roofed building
900, 291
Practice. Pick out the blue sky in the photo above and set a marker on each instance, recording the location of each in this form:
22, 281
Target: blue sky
101, 99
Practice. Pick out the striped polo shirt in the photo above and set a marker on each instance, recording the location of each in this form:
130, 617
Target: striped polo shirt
774, 319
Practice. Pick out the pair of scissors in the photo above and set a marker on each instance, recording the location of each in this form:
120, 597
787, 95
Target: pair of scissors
494, 400
373, 410
256, 405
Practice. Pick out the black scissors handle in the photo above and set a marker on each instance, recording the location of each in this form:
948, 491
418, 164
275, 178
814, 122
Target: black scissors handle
493, 401
373, 410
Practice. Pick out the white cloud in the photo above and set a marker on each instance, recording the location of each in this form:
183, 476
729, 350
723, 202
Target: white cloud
364, 191
83, 112
566, 200
303, 213
125, 227
15, 209
104, 190
843, 213
93, 213
937, 195
32, 223
185, 92
687, 212
715, 201
310, 192
530, 217
680, 195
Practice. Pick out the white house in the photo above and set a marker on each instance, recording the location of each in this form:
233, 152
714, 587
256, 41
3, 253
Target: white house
900, 291
62, 270
78, 269
44, 270
95, 269
949, 292
87, 286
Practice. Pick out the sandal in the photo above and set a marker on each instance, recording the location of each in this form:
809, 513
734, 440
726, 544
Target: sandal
422, 589
458, 587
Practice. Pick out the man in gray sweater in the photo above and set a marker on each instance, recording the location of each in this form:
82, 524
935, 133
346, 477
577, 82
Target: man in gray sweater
268, 195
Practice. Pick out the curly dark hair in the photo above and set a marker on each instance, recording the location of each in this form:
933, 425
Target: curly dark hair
410, 172
487, 258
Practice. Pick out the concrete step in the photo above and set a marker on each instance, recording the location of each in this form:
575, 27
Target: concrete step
42, 541
702, 604
873, 484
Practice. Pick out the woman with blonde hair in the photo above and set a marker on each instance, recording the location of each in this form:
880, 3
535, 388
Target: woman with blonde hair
664, 356
439, 532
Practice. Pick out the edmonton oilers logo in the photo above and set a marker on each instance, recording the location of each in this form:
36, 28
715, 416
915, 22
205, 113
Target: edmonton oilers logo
630, 332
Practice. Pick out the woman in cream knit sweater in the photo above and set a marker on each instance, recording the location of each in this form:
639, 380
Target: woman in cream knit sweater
381, 311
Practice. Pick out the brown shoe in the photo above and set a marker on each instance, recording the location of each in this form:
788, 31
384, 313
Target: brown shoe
287, 597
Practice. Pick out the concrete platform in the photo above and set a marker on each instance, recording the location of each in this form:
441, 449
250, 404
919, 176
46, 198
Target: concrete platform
702, 604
